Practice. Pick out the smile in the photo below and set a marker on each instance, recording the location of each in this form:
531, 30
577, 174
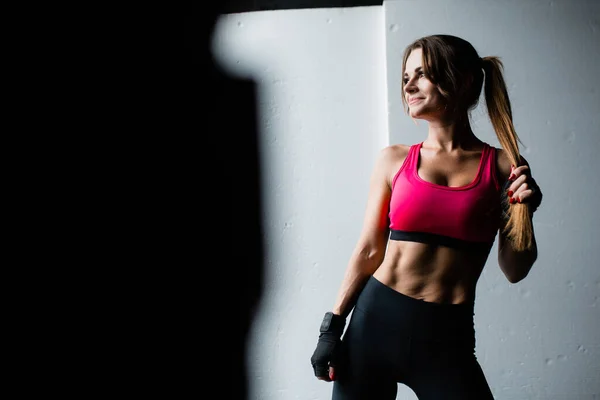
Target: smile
412, 101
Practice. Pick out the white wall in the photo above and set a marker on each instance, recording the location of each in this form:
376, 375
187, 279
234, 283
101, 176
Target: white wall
322, 100
329, 100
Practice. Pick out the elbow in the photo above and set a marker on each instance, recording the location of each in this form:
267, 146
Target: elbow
514, 278
372, 250
374, 257
516, 266
516, 272
369, 257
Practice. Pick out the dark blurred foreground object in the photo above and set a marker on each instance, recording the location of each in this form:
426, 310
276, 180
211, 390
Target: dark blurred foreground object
223, 121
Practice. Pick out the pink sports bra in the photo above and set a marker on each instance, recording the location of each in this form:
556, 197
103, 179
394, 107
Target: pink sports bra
460, 217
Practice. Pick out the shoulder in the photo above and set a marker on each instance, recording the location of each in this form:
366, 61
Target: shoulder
390, 160
503, 163
394, 153
391, 157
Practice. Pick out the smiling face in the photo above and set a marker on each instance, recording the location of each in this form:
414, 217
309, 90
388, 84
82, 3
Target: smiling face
422, 96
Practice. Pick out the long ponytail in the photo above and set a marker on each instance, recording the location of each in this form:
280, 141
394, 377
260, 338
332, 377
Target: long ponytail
519, 225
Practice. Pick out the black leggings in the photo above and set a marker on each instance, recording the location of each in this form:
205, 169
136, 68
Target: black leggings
391, 338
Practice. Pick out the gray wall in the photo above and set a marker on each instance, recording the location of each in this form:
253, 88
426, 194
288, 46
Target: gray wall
329, 101
322, 112
538, 339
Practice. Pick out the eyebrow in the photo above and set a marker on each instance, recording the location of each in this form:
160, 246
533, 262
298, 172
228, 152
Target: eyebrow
416, 70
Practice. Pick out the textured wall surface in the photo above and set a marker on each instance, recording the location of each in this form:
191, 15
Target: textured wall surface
329, 100
321, 76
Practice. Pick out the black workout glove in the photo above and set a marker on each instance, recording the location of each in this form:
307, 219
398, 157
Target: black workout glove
536, 198
328, 346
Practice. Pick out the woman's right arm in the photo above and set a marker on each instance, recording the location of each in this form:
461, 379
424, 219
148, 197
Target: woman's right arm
370, 249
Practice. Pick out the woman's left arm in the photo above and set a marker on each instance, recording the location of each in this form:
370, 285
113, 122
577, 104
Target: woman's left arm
521, 188
515, 264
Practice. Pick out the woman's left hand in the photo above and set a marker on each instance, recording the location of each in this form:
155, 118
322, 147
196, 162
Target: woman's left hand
523, 188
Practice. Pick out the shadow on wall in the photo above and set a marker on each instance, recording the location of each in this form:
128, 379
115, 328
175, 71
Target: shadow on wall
230, 210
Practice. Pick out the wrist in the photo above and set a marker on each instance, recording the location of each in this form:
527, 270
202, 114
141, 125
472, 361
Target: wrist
332, 322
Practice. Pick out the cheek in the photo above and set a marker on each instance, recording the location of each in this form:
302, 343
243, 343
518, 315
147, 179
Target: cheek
429, 91
436, 97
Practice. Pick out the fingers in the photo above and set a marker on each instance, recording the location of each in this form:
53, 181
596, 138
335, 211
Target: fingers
330, 376
522, 194
519, 190
323, 373
522, 188
518, 171
516, 184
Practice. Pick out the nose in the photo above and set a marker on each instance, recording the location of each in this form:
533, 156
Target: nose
410, 87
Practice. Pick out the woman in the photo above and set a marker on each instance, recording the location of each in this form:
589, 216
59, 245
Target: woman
433, 212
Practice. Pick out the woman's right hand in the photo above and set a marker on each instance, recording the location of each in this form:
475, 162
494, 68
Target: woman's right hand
328, 347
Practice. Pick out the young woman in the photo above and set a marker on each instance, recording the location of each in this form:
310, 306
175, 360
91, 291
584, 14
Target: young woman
434, 210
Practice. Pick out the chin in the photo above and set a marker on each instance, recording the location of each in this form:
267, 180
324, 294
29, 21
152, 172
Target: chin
415, 114
422, 113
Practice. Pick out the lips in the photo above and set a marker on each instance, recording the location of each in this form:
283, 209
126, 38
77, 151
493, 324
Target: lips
414, 100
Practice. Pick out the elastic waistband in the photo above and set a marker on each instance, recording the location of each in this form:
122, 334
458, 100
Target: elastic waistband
401, 312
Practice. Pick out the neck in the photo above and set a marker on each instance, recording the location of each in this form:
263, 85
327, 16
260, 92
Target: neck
451, 134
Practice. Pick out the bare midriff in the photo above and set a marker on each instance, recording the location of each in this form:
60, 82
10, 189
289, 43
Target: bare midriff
431, 273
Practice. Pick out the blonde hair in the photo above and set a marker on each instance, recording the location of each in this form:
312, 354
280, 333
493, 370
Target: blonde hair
453, 65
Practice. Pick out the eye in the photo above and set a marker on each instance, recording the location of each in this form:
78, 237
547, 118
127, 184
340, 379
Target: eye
420, 73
